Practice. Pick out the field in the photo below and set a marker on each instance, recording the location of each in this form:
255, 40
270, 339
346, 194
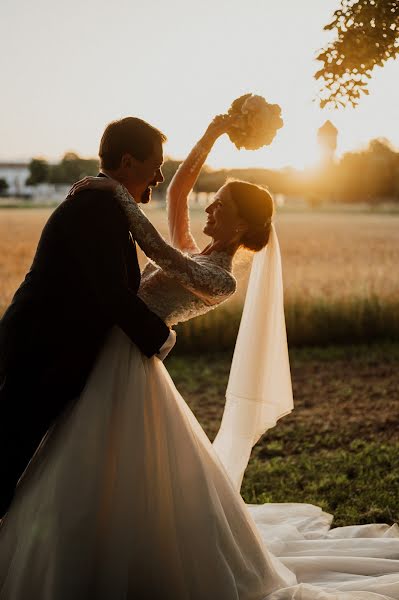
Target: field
339, 448
340, 276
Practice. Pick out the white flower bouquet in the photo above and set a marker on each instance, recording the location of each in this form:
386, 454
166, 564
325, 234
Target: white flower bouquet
256, 122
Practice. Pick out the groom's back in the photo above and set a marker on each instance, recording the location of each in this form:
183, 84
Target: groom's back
56, 323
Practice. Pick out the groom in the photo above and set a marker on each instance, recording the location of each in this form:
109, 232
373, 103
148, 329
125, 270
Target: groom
84, 280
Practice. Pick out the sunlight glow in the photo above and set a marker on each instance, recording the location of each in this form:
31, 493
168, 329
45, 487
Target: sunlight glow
175, 64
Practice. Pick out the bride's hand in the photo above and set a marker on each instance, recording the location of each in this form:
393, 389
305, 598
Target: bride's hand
219, 125
103, 184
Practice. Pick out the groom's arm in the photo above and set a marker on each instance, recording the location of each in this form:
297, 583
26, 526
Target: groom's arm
96, 240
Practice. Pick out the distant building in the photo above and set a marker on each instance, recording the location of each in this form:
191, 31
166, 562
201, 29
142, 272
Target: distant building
16, 175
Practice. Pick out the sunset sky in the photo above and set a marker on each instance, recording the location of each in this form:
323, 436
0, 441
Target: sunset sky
68, 68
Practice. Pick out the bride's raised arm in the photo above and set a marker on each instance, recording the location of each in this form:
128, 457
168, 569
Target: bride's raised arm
183, 182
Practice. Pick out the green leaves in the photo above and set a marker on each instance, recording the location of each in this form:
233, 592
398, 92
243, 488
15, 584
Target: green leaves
70, 169
38, 171
367, 36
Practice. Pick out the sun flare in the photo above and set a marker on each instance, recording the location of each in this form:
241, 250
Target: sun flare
178, 81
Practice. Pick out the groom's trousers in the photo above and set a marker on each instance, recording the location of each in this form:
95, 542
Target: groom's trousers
27, 412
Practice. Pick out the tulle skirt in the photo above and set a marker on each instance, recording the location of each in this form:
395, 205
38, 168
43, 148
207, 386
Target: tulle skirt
126, 499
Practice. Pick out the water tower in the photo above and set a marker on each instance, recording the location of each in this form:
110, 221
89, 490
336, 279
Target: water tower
327, 138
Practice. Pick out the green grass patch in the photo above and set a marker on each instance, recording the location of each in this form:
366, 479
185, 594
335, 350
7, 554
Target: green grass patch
338, 449
358, 484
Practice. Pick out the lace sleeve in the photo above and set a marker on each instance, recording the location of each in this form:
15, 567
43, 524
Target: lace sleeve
177, 199
148, 270
209, 281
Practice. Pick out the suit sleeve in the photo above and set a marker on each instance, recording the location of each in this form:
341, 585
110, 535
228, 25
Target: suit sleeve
96, 240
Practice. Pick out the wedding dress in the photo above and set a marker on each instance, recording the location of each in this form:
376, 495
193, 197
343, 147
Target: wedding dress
126, 497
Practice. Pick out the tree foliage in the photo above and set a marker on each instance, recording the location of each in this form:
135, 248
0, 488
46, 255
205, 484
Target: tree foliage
369, 175
68, 170
3, 186
367, 35
72, 168
38, 171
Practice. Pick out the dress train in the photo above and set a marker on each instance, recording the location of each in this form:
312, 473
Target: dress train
126, 498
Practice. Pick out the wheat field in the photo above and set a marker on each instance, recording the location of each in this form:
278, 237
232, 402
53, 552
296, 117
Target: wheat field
330, 261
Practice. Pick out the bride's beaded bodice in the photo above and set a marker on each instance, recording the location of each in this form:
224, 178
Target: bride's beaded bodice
174, 303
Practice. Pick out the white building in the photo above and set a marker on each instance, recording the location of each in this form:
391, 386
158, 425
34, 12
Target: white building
16, 175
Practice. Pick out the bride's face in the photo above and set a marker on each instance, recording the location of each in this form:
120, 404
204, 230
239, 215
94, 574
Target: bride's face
224, 223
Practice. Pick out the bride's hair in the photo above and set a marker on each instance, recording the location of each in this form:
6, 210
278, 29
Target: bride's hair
255, 206
128, 136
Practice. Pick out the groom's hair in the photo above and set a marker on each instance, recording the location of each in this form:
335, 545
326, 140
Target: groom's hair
128, 136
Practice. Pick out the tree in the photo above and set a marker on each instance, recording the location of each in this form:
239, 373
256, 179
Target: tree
370, 174
367, 36
38, 171
3, 186
71, 168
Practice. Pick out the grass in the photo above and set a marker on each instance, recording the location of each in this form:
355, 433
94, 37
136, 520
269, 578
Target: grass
358, 484
312, 322
339, 449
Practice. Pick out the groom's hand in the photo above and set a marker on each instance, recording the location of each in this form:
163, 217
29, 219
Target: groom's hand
168, 345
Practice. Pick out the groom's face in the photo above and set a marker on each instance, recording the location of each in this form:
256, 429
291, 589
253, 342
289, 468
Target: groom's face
143, 176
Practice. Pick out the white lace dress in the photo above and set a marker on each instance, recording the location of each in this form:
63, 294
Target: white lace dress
126, 498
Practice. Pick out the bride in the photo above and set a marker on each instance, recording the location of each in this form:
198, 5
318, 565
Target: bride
127, 498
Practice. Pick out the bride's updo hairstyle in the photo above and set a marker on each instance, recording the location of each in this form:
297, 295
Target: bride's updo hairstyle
255, 206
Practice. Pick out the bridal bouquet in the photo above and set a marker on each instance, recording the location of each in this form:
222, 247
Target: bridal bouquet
256, 124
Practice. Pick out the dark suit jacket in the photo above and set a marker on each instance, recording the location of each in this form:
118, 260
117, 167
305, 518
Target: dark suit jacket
83, 280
